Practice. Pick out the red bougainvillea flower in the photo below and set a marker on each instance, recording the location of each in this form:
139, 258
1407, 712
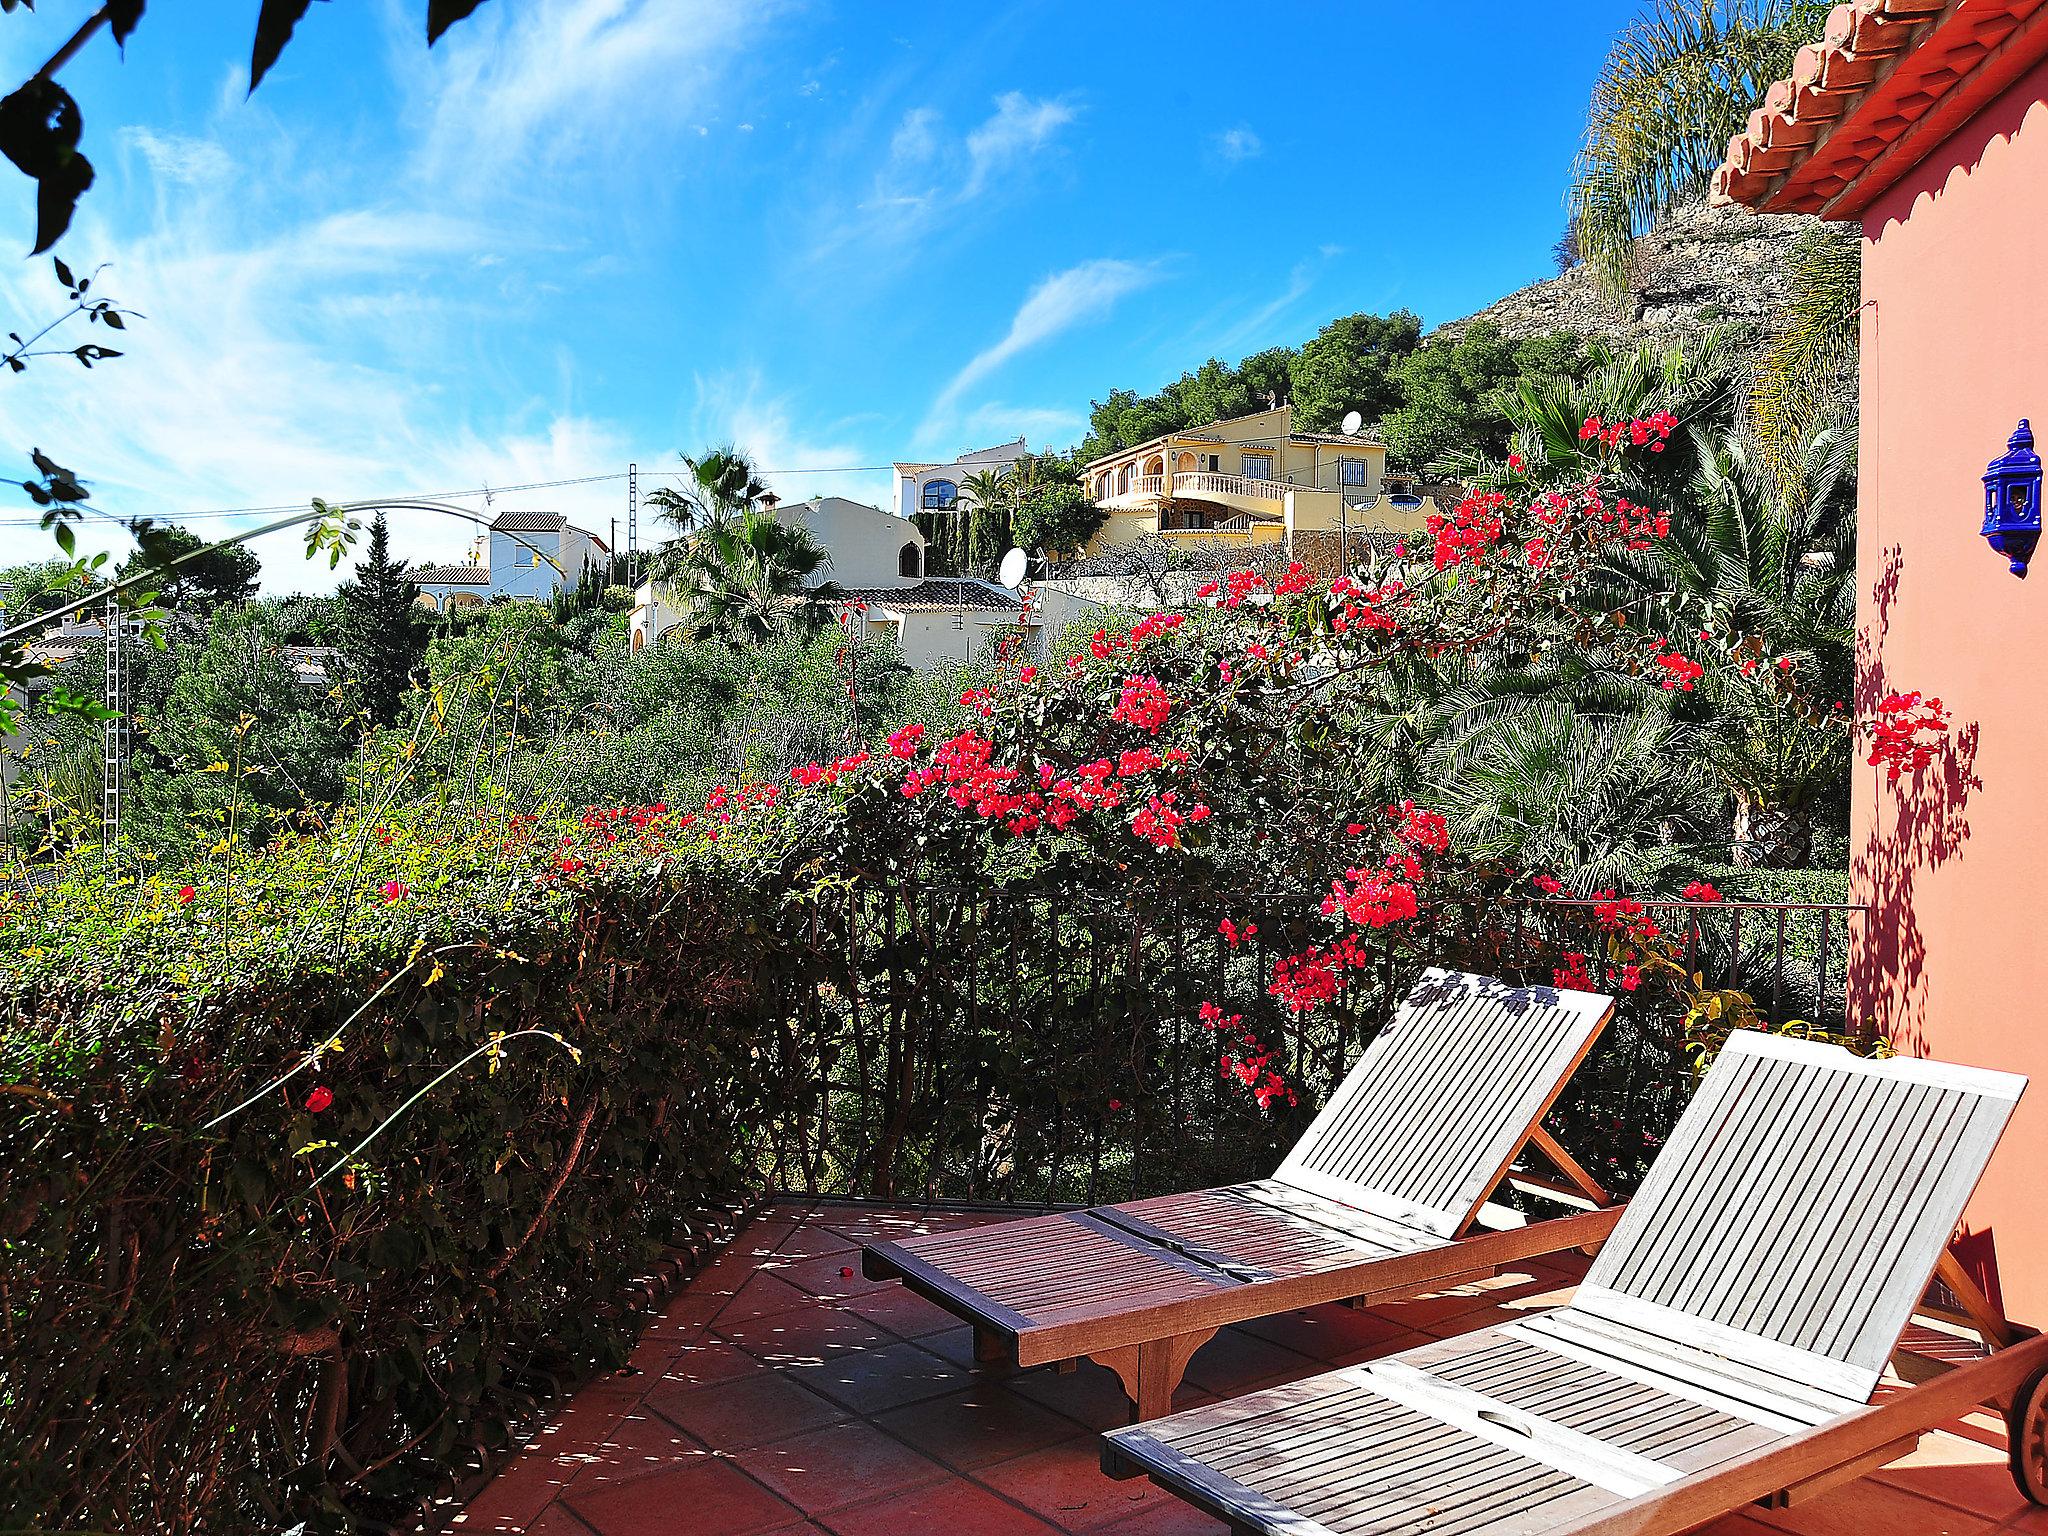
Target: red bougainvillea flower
1516, 463
1144, 704
185, 895
319, 1098
395, 891
904, 739
1572, 974
1549, 885
1234, 934
1680, 672
1420, 828
1115, 1105
1631, 977
1701, 890
846, 1271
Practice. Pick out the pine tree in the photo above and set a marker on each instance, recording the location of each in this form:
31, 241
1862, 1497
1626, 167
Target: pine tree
382, 635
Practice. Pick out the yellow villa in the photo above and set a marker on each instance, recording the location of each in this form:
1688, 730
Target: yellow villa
1252, 480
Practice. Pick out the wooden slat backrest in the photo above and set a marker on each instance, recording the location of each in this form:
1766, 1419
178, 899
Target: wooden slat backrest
1793, 1219
1444, 1097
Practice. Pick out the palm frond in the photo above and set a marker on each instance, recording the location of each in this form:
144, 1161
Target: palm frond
1678, 83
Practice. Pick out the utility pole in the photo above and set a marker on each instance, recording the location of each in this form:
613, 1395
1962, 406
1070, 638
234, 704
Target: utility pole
114, 734
632, 525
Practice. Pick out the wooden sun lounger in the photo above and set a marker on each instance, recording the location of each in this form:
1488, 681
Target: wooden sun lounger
1724, 1348
1374, 1203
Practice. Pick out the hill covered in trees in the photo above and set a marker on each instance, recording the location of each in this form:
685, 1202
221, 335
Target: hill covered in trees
1430, 393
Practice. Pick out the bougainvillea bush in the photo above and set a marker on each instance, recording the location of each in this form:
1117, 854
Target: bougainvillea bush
314, 1159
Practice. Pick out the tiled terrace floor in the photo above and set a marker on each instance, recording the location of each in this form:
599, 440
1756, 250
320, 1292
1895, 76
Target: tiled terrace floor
782, 1392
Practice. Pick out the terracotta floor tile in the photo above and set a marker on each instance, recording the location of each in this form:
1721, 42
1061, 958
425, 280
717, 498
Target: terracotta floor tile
642, 1443
707, 1499
1866, 1505
1168, 1517
736, 1427
747, 1411
763, 1295
1065, 1485
810, 1242
517, 1496
945, 1509
844, 1464
835, 1276
801, 1336
981, 1425
872, 1381
710, 1359
890, 1226
1323, 1332
1234, 1362
558, 1521
903, 1312
1964, 1472
957, 1345
1090, 1394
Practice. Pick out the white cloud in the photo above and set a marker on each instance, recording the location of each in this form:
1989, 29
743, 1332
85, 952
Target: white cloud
1238, 144
513, 93
1019, 127
1251, 328
799, 461
322, 325
929, 171
1064, 300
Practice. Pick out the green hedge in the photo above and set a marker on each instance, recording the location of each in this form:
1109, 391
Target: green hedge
201, 1332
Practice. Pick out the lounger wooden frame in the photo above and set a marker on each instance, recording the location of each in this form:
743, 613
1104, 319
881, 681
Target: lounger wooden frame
1378, 1200
1724, 1349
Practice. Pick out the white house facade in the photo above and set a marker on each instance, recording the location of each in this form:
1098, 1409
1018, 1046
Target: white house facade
526, 556
923, 487
877, 563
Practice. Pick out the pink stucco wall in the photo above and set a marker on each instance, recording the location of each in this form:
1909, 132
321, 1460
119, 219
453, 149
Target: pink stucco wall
1955, 351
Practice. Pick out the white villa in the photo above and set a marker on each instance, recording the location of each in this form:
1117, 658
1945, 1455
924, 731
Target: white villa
512, 559
877, 562
922, 487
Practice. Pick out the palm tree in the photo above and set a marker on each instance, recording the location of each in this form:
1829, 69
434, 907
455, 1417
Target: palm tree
1695, 380
985, 525
1600, 800
751, 579
718, 488
1679, 82
1769, 574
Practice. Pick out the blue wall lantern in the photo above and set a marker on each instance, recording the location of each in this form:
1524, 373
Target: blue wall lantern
2012, 500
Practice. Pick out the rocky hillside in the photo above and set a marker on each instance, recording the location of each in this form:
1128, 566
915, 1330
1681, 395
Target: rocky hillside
1701, 266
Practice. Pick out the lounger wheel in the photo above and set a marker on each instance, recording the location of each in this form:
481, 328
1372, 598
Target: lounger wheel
2026, 1424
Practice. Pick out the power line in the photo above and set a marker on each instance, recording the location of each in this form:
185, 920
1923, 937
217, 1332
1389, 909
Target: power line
495, 490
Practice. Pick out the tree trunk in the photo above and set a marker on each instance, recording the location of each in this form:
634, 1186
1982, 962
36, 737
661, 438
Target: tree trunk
1771, 836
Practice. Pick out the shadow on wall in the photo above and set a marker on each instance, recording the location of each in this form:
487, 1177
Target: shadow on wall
1919, 824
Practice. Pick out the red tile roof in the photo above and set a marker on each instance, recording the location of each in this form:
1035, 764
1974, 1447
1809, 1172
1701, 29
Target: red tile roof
1886, 83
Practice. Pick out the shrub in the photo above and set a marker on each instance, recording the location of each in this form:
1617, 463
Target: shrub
279, 1232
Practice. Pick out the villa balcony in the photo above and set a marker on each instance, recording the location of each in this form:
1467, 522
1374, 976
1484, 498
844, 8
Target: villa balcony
1246, 495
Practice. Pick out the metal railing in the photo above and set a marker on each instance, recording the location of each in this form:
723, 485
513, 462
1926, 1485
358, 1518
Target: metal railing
1037, 1046
1791, 957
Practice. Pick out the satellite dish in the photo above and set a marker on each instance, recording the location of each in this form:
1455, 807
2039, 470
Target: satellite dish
1352, 422
1011, 572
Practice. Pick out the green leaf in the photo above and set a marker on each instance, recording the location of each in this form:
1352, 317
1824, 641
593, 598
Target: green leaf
443, 14
274, 24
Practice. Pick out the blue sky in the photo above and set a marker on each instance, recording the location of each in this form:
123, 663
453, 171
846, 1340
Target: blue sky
582, 232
